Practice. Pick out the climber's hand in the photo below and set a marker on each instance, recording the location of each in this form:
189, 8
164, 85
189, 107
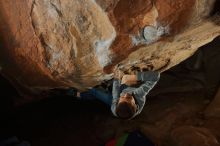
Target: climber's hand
129, 80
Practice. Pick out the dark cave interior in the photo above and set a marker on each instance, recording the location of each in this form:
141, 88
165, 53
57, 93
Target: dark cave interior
216, 9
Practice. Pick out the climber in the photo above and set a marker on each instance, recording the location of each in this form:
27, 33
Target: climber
126, 100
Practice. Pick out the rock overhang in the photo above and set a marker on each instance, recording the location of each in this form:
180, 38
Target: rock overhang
78, 43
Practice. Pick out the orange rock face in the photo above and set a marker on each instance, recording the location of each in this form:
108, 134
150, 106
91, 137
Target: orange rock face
48, 44
22, 54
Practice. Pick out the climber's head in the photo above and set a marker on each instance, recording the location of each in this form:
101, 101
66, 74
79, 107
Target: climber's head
126, 107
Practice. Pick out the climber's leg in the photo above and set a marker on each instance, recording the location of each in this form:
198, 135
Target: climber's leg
98, 94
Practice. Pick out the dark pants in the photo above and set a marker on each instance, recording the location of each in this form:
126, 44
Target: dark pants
94, 93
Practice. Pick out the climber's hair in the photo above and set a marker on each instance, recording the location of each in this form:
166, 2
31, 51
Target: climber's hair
125, 110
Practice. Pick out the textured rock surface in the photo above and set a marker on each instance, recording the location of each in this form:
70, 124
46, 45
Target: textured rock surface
163, 55
193, 136
48, 44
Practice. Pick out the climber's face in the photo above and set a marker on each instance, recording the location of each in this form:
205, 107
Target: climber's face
127, 98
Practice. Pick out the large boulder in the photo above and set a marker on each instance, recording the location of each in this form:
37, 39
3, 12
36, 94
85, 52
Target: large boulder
56, 44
